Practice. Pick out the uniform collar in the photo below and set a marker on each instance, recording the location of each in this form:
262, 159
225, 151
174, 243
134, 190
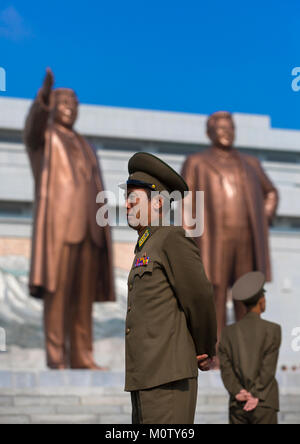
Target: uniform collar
144, 237
252, 315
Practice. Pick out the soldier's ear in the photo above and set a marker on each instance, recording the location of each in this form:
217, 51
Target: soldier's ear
262, 303
158, 202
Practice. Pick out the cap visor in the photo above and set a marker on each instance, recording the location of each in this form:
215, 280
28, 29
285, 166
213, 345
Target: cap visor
136, 183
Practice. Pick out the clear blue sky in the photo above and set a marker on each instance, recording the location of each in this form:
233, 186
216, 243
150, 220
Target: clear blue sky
188, 56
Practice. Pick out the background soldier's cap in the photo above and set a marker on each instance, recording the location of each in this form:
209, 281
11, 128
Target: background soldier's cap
248, 289
148, 171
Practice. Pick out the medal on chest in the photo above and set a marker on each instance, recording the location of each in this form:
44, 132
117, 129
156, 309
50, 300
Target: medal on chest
142, 261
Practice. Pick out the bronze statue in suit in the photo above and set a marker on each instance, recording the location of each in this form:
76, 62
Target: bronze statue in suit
71, 263
240, 203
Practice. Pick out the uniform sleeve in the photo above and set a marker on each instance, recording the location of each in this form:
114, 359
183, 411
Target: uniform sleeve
268, 367
194, 292
230, 380
36, 123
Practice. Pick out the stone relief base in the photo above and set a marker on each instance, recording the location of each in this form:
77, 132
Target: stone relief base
21, 319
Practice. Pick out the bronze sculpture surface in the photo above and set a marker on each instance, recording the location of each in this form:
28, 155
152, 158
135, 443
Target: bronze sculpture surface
71, 263
240, 203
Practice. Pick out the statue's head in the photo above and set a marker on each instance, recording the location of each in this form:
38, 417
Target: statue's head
220, 129
65, 107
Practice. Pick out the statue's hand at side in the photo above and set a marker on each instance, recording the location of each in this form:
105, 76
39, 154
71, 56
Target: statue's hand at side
47, 86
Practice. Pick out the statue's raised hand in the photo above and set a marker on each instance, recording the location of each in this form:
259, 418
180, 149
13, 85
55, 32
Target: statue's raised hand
48, 85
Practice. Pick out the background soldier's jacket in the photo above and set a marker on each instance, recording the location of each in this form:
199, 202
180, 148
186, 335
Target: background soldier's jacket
171, 313
248, 354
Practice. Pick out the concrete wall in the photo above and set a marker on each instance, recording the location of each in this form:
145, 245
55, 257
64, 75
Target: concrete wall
16, 184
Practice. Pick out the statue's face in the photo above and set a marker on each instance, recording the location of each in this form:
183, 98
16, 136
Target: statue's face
222, 135
66, 110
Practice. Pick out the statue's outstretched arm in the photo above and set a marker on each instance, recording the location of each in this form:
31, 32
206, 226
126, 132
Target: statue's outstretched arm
37, 119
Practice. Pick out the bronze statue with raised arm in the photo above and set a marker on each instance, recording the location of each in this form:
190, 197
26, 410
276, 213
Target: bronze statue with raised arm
240, 203
71, 263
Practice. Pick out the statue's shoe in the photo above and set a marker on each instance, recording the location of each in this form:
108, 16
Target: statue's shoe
91, 367
58, 367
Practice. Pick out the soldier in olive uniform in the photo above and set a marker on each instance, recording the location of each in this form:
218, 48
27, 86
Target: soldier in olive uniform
248, 354
171, 320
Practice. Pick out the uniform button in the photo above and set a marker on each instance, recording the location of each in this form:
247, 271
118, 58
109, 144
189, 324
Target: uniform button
129, 308
127, 331
130, 287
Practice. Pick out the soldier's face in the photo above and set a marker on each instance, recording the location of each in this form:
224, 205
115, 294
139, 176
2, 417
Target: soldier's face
138, 207
66, 110
142, 210
222, 135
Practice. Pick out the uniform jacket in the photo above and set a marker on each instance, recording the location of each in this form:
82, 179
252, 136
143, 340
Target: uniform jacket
201, 173
56, 193
171, 314
248, 354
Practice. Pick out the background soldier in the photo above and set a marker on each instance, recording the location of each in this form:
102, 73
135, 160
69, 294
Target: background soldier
248, 354
71, 263
171, 315
240, 203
